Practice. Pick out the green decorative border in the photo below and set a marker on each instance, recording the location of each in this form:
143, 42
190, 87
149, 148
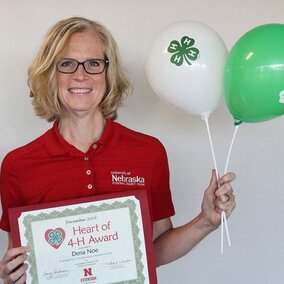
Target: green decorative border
27, 221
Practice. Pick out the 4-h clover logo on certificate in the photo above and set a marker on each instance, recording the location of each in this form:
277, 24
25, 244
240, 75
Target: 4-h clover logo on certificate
183, 50
55, 237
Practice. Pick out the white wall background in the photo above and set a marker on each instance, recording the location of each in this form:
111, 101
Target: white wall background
256, 227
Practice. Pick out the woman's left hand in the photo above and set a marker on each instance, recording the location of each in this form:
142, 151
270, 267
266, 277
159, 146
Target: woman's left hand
218, 197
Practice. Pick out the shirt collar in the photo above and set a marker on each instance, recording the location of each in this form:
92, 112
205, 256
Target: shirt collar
57, 146
111, 134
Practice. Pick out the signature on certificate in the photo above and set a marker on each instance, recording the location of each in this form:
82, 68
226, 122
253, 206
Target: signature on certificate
48, 275
118, 263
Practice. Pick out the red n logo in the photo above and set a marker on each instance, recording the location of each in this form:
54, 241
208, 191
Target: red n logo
88, 272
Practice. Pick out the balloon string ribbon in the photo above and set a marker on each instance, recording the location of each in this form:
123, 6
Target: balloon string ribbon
230, 149
223, 215
211, 146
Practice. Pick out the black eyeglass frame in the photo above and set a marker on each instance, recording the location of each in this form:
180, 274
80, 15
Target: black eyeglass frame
106, 61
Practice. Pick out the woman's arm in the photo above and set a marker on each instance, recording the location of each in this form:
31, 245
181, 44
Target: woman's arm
172, 243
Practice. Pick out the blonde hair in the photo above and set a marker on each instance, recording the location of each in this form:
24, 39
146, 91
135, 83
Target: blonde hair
42, 72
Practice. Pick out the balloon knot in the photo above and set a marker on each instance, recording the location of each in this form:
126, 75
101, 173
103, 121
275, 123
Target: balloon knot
237, 122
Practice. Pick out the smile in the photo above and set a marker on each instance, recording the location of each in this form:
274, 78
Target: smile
79, 90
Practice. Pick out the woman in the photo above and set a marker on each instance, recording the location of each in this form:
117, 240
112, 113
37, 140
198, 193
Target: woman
76, 81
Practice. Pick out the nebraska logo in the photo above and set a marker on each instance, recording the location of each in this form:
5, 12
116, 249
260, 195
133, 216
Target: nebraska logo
126, 178
88, 272
88, 276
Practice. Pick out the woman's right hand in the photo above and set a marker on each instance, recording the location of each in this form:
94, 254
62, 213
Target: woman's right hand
12, 266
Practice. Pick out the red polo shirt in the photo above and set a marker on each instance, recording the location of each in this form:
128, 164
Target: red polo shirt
50, 169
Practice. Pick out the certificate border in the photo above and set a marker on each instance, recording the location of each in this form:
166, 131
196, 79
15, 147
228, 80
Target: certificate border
15, 213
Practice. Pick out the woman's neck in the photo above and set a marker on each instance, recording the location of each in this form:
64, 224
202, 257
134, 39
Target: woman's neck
82, 132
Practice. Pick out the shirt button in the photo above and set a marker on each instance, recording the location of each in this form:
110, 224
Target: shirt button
95, 146
86, 158
88, 172
90, 186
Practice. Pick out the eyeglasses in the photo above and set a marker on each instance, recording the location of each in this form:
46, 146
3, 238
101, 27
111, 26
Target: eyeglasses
91, 66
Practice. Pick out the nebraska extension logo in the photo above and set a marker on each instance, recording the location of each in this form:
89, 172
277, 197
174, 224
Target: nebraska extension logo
126, 178
88, 276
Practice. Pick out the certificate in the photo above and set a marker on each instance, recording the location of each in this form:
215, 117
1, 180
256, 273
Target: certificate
101, 239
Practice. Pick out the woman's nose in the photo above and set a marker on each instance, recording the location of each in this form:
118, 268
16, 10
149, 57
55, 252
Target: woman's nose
80, 73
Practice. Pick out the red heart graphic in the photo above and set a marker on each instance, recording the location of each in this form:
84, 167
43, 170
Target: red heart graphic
55, 237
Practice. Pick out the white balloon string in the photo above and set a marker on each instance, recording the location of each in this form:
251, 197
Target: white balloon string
222, 233
223, 215
227, 229
211, 145
230, 149
224, 224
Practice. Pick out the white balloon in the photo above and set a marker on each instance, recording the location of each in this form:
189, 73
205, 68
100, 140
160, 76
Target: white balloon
193, 80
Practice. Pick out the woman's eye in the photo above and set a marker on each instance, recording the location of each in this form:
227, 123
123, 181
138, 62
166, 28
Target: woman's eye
67, 63
94, 63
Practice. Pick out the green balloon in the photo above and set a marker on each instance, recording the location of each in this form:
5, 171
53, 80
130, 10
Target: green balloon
254, 75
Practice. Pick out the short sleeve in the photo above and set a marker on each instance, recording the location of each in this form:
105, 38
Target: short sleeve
9, 192
162, 205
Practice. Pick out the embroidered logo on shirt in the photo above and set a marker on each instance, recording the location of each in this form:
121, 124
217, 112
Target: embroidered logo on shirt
126, 178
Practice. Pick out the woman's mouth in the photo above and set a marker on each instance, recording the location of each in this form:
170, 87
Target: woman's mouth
79, 90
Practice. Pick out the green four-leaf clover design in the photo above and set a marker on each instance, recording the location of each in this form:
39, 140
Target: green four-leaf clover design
55, 238
183, 50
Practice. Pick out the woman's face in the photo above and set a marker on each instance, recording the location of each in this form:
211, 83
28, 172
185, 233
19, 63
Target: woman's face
81, 93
